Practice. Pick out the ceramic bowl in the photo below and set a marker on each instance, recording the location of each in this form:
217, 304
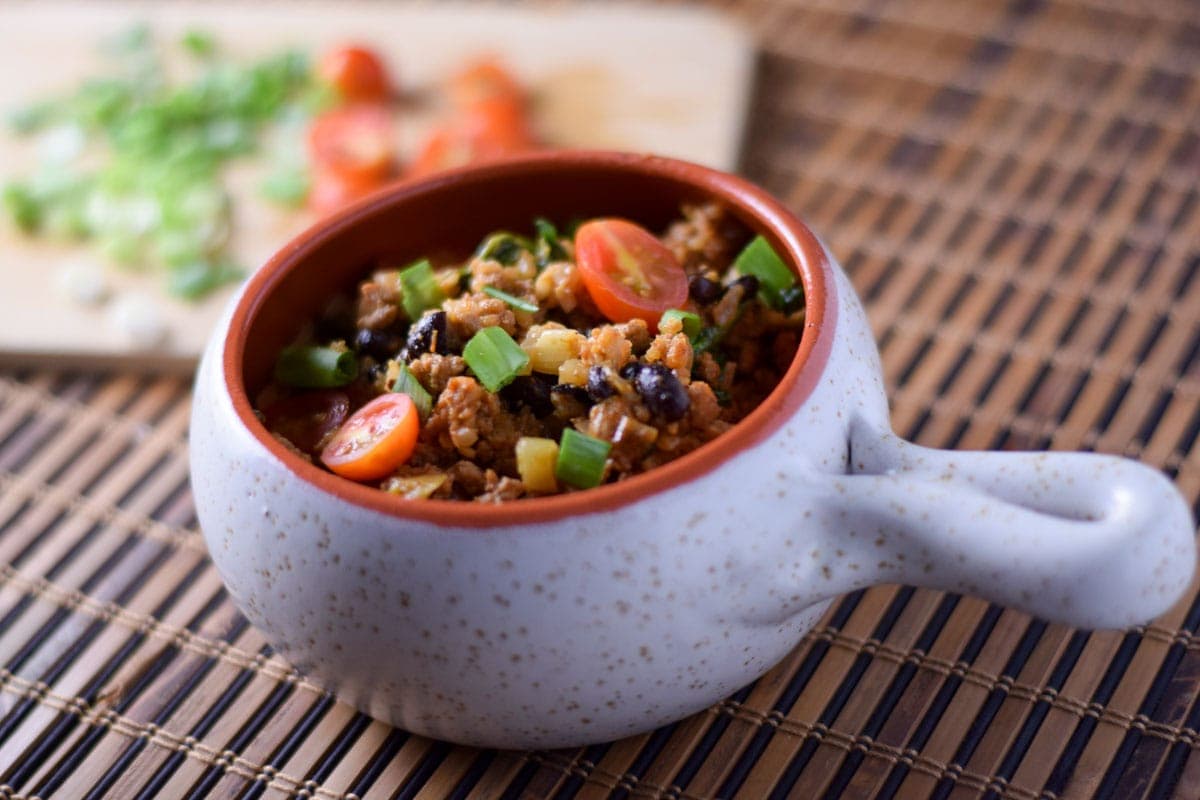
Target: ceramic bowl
594, 615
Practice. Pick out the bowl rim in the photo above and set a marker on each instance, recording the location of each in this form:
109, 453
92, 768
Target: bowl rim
803, 252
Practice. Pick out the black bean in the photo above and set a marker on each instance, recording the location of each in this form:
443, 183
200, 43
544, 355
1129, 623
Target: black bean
428, 334
380, 345
661, 391
576, 392
598, 387
532, 391
704, 291
629, 370
749, 285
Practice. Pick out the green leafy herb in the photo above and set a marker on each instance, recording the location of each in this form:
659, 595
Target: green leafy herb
420, 289
315, 367
515, 302
408, 384
547, 247
495, 358
760, 260
581, 459
504, 247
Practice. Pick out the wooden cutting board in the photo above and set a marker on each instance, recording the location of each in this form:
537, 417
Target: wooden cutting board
670, 81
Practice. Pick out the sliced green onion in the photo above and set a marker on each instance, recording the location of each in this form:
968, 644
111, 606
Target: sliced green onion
199, 43
421, 289
407, 383
286, 186
581, 459
495, 358
503, 247
760, 260
691, 322
192, 281
515, 302
306, 367
23, 206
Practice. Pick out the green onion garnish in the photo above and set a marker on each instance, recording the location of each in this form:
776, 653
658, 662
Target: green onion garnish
515, 302
503, 247
315, 367
691, 322
495, 358
407, 383
152, 189
581, 459
421, 289
199, 43
760, 260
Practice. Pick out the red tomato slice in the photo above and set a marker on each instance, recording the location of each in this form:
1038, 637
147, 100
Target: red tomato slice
376, 439
483, 133
307, 419
628, 272
356, 73
330, 192
356, 143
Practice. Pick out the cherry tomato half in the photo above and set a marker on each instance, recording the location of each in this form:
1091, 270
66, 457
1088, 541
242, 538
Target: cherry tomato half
627, 271
356, 73
356, 143
484, 132
307, 419
331, 191
376, 439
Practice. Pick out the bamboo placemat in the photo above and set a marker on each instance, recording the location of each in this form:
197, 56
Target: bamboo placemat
1012, 188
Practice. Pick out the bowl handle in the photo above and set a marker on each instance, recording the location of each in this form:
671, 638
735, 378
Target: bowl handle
1089, 540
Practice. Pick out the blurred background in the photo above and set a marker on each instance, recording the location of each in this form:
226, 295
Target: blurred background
1011, 186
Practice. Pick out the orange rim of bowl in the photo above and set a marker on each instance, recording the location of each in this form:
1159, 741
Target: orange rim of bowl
803, 252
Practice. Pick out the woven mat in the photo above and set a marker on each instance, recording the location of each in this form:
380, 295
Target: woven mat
1013, 189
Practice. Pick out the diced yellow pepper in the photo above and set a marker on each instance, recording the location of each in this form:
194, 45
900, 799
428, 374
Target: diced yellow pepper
548, 348
536, 460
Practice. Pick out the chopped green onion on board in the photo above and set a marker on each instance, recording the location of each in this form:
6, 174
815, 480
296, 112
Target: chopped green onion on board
133, 163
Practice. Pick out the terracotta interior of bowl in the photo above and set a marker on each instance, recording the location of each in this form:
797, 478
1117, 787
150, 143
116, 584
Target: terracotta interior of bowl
451, 214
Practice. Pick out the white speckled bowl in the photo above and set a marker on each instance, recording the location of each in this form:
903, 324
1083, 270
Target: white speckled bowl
594, 615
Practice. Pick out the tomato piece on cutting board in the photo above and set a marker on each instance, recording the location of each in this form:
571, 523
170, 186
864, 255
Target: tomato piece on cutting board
627, 271
357, 73
376, 439
356, 143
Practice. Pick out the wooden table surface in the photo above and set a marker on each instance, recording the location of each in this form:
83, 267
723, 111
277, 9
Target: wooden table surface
1013, 189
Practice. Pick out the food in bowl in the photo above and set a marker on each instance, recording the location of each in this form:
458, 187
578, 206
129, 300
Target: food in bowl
540, 364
